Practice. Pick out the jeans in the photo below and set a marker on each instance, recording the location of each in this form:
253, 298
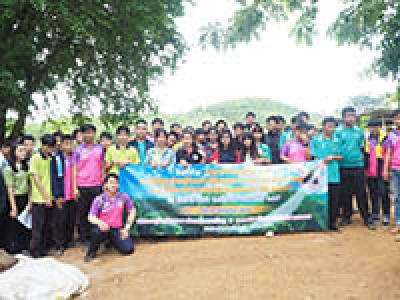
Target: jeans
125, 246
396, 191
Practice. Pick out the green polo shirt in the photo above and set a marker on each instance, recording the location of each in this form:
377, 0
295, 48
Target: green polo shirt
351, 144
17, 180
40, 166
115, 153
321, 148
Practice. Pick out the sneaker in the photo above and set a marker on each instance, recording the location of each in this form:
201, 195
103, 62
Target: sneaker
385, 223
334, 228
371, 225
395, 230
345, 222
89, 257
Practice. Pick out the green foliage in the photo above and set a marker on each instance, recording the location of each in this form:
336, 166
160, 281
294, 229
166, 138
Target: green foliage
105, 51
364, 103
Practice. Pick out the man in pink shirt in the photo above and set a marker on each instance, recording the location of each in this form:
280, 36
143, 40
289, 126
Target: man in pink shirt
87, 175
106, 215
297, 149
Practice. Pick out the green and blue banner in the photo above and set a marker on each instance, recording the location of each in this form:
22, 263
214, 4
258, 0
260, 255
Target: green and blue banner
227, 199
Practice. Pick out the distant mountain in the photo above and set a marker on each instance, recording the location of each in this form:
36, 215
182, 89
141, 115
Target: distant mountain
235, 110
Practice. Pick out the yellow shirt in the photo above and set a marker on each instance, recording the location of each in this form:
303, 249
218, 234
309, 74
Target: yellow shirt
40, 166
115, 153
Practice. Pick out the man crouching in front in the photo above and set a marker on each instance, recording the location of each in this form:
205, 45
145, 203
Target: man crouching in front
106, 216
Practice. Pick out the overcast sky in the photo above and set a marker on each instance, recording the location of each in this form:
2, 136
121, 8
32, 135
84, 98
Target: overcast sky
317, 78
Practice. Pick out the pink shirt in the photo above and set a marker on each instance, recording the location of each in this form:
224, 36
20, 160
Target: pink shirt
294, 150
88, 161
110, 210
394, 144
68, 193
373, 161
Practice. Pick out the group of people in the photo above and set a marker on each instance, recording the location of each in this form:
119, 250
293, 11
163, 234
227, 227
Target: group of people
70, 183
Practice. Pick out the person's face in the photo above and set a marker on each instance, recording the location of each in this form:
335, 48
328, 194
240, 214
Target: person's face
213, 136
79, 138
161, 140
123, 137
329, 128
271, 125
111, 185
88, 136
200, 138
171, 140
350, 118
105, 143
221, 126
247, 143
187, 139
250, 120
374, 130
141, 130
206, 126
305, 119
280, 126
257, 135
58, 141
5, 150
396, 121
67, 146
157, 125
238, 131
29, 146
225, 139
47, 150
177, 129
20, 152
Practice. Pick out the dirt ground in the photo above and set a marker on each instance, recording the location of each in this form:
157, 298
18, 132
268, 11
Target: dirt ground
353, 264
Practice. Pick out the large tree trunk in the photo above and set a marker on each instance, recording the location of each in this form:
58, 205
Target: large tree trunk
3, 114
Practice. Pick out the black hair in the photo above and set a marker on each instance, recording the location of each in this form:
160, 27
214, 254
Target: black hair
302, 126
107, 135
159, 131
272, 118
304, 114
157, 120
141, 121
328, 120
108, 176
67, 137
374, 123
348, 109
199, 131
175, 125
176, 135
257, 128
251, 114
27, 137
58, 133
12, 161
238, 125
293, 120
253, 149
231, 143
206, 122
75, 132
87, 127
48, 140
396, 113
123, 128
6, 143
221, 122
281, 119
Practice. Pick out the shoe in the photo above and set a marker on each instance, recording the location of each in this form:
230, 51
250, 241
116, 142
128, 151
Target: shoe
59, 252
385, 224
371, 225
334, 228
89, 257
395, 230
345, 222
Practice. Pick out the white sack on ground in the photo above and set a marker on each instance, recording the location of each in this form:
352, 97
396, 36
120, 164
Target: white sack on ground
41, 279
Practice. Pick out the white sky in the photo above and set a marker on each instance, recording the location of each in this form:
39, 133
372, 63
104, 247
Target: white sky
317, 78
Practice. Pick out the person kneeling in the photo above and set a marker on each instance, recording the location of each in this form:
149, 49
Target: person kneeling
106, 216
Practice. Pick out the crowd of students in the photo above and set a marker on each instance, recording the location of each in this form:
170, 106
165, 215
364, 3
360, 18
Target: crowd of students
70, 184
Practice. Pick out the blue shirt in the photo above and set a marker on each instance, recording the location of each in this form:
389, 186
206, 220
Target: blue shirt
142, 151
321, 148
352, 144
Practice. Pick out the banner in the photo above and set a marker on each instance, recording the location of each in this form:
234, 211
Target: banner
228, 199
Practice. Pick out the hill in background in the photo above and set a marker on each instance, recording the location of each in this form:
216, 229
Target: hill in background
235, 110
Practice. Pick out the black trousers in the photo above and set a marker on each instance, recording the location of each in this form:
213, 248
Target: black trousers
376, 187
4, 221
64, 223
86, 197
41, 228
333, 195
354, 183
18, 237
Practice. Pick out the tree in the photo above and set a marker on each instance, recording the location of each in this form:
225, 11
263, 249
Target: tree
364, 103
105, 50
372, 24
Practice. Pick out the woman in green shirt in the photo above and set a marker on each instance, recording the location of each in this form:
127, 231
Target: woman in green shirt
16, 179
